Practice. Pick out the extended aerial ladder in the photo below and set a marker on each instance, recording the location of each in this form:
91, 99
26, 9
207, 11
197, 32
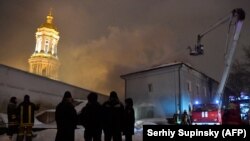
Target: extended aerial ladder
235, 19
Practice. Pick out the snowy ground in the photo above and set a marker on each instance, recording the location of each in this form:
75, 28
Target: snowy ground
49, 134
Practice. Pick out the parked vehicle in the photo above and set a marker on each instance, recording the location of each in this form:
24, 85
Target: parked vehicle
206, 114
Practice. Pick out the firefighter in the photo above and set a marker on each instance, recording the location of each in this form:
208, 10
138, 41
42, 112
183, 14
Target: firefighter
177, 118
25, 115
185, 119
12, 119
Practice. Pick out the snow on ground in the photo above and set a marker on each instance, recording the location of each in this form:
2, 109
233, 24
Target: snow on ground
49, 134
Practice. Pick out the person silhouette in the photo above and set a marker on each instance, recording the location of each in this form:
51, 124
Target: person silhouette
12, 117
90, 118
66, 119
113, 111
185, 119
26, 117
129, 119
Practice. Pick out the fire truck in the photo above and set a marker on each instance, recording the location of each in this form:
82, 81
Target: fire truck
213, 113
206, 114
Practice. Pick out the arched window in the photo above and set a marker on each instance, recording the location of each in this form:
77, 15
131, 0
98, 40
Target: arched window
44, 72
46, 46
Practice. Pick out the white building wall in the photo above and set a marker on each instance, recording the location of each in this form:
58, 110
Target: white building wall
203, 88
169, 92
161, 97
42, 90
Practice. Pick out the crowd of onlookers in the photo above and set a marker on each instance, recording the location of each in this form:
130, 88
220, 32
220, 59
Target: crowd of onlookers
112, 118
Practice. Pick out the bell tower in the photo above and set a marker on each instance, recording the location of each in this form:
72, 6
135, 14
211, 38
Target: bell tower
44, 61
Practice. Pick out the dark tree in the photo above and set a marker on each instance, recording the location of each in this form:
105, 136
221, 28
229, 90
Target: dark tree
239, 78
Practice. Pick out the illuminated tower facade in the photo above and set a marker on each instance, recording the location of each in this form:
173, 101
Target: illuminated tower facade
44, 61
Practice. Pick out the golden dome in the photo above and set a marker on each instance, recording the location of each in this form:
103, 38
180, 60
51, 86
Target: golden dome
49, 22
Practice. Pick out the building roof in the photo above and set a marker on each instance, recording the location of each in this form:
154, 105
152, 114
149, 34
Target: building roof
165, 66
46, 78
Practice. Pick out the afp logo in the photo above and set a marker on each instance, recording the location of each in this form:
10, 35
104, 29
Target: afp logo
234, 133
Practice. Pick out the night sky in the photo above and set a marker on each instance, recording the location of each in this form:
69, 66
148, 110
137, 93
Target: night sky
100, 40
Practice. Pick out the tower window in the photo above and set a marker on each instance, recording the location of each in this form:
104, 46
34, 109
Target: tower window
189, 86
198, 90
47, 46
205, 91
150, 87
44, 72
